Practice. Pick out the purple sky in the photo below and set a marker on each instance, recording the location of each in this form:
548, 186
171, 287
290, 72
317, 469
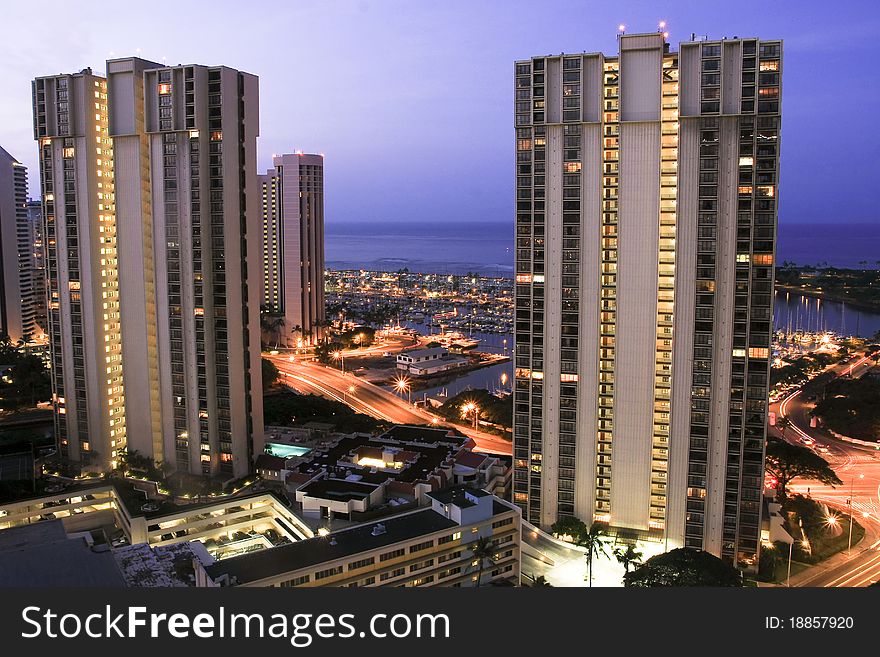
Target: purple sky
411, 101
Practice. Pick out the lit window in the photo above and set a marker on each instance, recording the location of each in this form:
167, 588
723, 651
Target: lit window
572, 167
538, 278
739, 353
165, 88
745, 189
742, 257
758, 352
746, 161
523, 278
568, 377
770, 66
68, 152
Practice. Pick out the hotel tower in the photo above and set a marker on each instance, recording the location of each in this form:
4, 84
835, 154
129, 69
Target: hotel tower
645, 229
152, 236
292, 194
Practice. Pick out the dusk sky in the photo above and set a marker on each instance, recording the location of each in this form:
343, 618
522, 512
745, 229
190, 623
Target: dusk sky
411, 101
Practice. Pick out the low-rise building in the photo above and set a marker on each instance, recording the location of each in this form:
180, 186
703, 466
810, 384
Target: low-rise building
426, 547
433, 360
359, 477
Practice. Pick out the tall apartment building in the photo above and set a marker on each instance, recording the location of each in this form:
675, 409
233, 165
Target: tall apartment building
646, 220
38, 247
77, 189
172, 204
293, 246
17, 294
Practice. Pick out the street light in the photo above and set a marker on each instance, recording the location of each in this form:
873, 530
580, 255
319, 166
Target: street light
852, 486
772, 546
338, 355
469, 408
402, 384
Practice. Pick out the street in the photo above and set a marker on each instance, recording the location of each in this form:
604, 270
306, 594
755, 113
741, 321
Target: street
859, 469
364, 397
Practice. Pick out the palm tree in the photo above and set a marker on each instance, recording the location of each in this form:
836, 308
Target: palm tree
541, 581
628, 556
593, 540
483, 551
296, 329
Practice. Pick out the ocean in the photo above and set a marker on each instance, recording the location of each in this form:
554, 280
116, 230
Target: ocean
488, 248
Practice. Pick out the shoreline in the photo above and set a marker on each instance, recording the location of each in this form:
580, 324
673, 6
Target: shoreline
822, 294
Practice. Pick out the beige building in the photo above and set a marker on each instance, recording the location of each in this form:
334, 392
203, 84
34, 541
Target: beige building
176, 148
78, 192
646, 215
292, 196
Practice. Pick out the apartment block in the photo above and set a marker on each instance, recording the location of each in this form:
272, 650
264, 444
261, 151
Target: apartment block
78, 194
155, 209
293, 248
646, 220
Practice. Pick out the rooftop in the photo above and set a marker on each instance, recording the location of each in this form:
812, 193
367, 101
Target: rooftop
42, 554
302, 554
458, 496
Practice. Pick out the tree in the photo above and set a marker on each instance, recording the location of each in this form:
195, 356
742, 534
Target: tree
787, 462
569, 526
628, 556
296, 329
683, 567
269, 373
541, 582
26, 382
594, 541
272, 323
783, 423
483, 552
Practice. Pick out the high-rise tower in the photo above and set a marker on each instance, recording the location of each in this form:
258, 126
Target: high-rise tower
646, 217
293, 247
175, 267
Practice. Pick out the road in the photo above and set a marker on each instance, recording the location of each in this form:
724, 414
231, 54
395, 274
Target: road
859, 469
365, 397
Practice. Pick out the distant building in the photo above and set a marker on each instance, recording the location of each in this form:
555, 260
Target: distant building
647, 186
422, 548
433, 360
35, 217
17, 293
292, 196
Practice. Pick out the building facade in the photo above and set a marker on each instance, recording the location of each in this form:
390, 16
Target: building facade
17, 292
77, 189
293, 248
172, 203
646, 222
